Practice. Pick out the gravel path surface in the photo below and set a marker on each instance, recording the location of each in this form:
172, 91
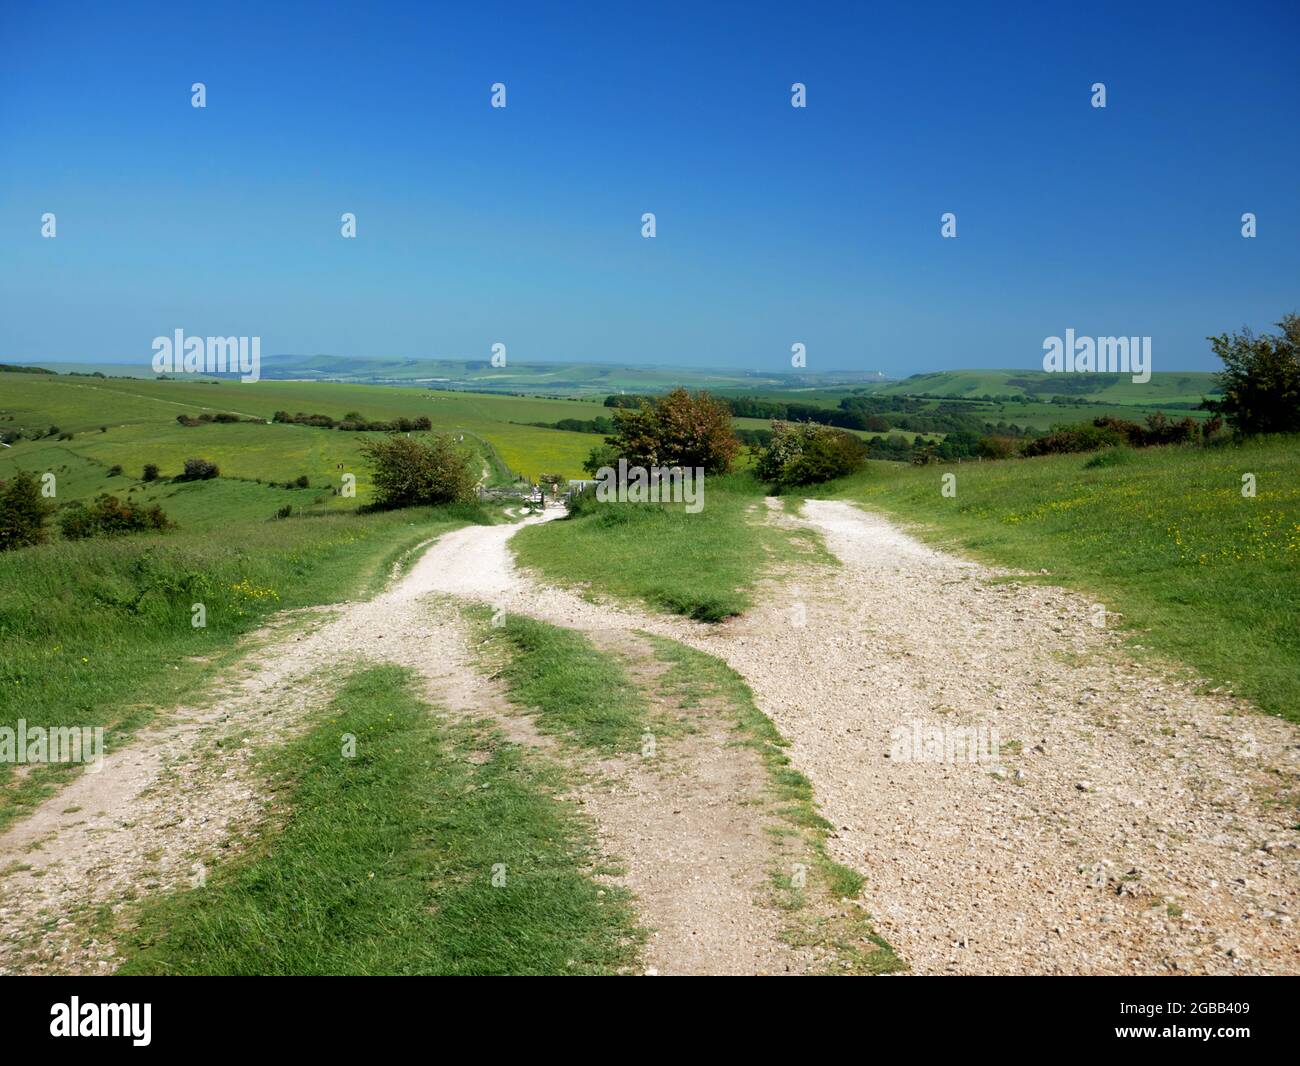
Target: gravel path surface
1113, 820
1123, 824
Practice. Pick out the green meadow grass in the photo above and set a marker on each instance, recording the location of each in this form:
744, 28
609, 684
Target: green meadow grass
702, 565
384, 863
98, 632
140, 416
1165, 538
573, 689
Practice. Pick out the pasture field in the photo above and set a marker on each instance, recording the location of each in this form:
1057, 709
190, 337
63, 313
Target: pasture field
140, 417
1162, 536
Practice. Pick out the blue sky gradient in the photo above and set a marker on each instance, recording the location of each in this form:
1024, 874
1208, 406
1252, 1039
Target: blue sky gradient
522, 225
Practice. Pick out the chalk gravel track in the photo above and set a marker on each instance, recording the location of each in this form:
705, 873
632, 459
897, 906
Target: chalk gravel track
1129, 824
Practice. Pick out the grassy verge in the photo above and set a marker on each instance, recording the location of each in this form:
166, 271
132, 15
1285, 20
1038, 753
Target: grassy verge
703, 565
1163, 536
576, 691
386, 862
817, 913
100, 633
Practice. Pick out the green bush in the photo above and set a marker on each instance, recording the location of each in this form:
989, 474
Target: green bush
199, 470
807, 453
22, 512
109, 517
411, 471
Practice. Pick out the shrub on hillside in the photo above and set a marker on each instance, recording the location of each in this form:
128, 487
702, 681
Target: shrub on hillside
996, 446
23, 511
1110, 432
199, 470
115, 470
678, 429
804, 453
409, 471
1083, 437
150, 472
1260, 381
110, 517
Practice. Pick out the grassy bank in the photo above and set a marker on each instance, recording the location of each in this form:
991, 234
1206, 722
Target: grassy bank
1163, 536
574, 689
385, 864
100, 632
702, 565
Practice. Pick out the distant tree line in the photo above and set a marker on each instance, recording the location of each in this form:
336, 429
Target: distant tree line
354, 422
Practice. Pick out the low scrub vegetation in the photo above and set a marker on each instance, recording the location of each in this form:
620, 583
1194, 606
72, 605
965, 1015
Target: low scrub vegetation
415, 471
804, 453
355, 422
23, 512
108, 516
198, 470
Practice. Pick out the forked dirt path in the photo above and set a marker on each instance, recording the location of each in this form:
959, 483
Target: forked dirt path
1126, 823
161, 808
684, 827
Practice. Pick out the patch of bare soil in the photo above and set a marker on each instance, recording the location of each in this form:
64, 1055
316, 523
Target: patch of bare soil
685, 821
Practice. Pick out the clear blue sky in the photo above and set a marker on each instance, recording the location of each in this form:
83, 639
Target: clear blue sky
522, 225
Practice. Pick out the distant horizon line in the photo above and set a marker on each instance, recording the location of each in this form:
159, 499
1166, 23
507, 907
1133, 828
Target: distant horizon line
388, 360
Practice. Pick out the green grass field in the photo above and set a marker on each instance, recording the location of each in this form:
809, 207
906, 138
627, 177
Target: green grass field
702, 565
1166, 539
386, 861
140, 417
1173, 386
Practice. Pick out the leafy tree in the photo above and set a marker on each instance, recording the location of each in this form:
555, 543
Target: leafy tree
23, 511
601, 456
410, 471
676, 430
1260, 381
150, 472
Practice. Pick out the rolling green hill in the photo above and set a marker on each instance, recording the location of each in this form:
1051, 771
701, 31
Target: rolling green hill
1165, 387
